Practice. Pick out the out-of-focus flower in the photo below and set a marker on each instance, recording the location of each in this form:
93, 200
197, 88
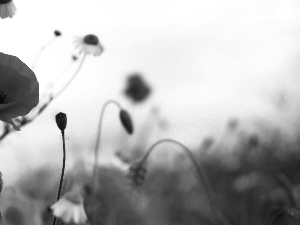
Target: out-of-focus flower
19, 89
57, 33
89, 44
14, 216
136, 88
18, 209
126, 121
61, 121
7, 9
70, 208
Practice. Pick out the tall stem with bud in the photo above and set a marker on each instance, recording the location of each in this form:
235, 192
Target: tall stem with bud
61, 121
138, 171
127, 124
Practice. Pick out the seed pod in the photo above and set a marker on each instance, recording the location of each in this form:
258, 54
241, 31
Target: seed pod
137, 173
61, 121
126, 121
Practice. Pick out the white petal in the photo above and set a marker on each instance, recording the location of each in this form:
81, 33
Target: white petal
3, 12
11, 9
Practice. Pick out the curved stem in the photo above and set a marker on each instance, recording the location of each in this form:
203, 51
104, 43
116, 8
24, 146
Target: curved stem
201, 176
72, 78
98, 137
62, 171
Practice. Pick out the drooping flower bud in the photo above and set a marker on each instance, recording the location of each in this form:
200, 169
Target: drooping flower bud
61, 121
126, 121
137, 173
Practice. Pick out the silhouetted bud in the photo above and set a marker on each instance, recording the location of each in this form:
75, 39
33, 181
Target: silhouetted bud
126, 121
57, 33
136, 88
137, 173
61, 121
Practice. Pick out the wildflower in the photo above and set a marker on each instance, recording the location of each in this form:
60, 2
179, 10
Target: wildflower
137, 173
70, 208
19, 89
89, 44
7, 9
126, 121
61, 121
136, 88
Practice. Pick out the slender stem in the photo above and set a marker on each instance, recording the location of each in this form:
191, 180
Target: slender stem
201, 176
72, 78
62, 171
40, 52
98, 137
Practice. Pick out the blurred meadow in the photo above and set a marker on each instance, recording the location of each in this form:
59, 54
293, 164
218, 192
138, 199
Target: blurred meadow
220, 77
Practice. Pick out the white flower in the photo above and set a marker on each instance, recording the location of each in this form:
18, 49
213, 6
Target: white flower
89, 44
7, 8
70, 208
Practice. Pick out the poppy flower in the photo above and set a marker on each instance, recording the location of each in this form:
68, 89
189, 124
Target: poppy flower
70, 208
89, 44
7, 8
19, 89
136, 88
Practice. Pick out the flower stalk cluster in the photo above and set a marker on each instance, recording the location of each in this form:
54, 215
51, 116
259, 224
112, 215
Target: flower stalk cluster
61, 121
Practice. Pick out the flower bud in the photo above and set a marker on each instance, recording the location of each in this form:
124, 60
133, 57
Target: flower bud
57, 33
126, 121
137, 173
61, 121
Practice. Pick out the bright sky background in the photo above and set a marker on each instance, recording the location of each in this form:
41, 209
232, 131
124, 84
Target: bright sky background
206, 61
